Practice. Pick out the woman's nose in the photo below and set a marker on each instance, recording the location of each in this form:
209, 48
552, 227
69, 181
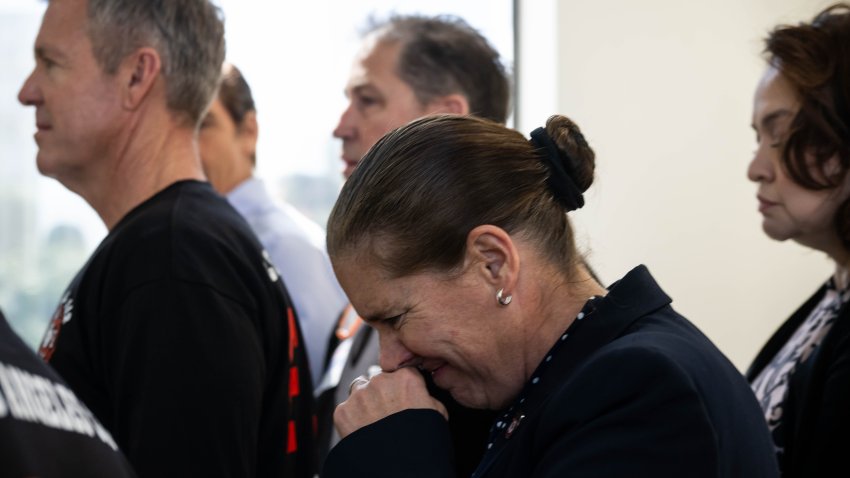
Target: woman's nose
762, 166
393, 352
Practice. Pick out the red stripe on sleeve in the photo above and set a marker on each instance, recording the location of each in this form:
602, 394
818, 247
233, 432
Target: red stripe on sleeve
294, 385
292, 441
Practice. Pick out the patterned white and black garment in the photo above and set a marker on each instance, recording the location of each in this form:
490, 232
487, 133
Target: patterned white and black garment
771, 386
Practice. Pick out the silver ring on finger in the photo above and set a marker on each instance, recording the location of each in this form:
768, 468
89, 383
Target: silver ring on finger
359, 380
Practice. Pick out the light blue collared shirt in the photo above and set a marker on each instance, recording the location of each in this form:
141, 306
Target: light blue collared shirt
296, 246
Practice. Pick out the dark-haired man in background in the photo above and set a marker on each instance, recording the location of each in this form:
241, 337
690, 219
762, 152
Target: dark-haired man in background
413, 66
409, 67
296, 245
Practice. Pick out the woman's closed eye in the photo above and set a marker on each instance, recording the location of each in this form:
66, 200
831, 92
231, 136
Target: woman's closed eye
394, 322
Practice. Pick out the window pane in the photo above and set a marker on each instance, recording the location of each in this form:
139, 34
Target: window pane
296, 56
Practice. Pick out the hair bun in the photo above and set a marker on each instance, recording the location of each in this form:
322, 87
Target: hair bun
568, 157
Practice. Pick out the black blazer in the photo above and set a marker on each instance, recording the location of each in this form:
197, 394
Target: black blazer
816, 413
638, 391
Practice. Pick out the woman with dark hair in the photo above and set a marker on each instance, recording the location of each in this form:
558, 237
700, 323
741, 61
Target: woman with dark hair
801, 115
451, 238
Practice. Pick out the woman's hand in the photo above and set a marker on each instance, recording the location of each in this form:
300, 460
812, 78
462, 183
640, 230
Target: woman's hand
382, 395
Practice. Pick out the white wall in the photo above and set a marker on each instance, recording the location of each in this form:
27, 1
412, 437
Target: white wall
663, 92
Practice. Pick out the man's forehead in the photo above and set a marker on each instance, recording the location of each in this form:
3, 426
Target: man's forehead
64, 9
362, 80
374, 66
62, 17
358, 77
62, 37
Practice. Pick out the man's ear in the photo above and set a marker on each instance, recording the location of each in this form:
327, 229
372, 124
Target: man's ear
455, 104
494, 254
139, 71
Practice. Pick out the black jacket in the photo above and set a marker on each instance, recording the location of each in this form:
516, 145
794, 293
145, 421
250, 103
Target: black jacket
45, 429
635, 390
816, 412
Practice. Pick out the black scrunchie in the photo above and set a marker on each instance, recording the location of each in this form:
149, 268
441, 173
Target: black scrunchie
561, 170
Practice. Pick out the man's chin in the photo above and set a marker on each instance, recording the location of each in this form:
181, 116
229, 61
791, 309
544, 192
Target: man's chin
348, 171
43, 163
50, 166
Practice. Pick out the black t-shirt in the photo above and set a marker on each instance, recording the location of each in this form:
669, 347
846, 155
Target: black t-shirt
180, 337
45, 430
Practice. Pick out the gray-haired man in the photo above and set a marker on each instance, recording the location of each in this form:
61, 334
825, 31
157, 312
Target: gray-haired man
177, 333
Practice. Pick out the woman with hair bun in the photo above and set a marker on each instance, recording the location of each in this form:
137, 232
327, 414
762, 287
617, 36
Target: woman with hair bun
452, 239
801, 115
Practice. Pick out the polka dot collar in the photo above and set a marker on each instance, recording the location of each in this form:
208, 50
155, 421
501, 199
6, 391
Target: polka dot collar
508, 422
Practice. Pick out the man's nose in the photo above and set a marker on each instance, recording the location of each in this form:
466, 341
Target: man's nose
30, 95
345, 128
